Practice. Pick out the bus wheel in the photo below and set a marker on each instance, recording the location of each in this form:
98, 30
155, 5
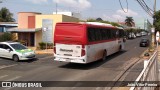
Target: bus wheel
104, 55
120, 48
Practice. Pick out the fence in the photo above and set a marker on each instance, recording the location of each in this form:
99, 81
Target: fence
149, 73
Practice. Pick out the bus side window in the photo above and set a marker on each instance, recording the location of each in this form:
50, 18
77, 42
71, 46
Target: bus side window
106, 34
93, 35
99, 34
109, 34
103, 33
89, 35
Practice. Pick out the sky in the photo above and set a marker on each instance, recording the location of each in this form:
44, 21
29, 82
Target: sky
109, 10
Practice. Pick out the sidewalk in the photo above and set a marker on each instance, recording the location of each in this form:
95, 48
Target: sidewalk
48, 51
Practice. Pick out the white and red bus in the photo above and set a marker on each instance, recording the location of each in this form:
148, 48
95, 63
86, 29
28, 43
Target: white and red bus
85, 42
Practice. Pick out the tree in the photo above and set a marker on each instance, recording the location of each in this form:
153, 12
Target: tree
129, 21
6, 37
99, 19
91, 20
6, 15
103, 21
157, 20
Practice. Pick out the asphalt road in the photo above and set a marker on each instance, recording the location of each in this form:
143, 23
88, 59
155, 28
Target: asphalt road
45, 69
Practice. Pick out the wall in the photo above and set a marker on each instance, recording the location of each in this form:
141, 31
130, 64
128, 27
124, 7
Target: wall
31, 22
38, 38
1, 29
56, 18
23, 18
69, 19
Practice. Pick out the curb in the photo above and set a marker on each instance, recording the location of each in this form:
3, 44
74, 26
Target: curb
43, 52
142, 55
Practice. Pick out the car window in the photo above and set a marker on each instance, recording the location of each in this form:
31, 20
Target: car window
144, 40
18, 46
6, 47
1, 46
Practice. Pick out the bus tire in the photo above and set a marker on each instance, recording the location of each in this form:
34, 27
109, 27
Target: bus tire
104, 55
120, 48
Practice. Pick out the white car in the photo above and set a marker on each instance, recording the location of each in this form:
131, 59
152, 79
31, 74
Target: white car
15, 51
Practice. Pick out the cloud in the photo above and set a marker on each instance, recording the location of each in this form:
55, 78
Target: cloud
118, 17
37, 1
62, 10
106, 17
129, 13
114, 17
78, 4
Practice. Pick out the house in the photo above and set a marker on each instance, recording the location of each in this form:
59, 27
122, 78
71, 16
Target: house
34, 27
4, 26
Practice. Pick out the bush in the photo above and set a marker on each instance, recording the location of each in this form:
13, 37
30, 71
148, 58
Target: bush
42, 45
6, 37
50, 45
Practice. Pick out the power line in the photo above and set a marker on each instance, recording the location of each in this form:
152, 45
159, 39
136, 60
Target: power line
145, 7
122, 6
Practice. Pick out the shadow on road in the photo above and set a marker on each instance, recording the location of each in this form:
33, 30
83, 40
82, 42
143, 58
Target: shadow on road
27, 61
92, 64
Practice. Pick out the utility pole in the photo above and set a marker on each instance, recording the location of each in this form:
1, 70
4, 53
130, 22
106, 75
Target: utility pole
153, 29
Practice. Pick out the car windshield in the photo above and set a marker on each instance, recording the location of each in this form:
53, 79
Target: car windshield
144, 40
18, 46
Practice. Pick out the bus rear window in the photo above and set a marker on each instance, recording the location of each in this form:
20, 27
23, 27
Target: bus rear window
69, 30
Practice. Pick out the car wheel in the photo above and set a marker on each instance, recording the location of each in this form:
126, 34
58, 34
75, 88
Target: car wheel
15, 58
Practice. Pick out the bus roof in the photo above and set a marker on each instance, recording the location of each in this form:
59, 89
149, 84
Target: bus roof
97, 24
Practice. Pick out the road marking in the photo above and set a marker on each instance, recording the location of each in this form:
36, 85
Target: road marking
14, 78
6, 66
3, 76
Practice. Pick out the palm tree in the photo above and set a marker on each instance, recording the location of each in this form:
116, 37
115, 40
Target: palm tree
6, 15
129, 21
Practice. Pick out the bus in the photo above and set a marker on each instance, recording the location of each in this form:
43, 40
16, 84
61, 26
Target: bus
86, 42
